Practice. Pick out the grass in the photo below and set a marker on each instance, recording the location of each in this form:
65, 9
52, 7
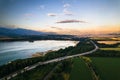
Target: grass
80, 71
36, 74
116, 49
108, 68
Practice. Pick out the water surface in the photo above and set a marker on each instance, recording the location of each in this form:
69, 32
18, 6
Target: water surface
109, 42
10, 51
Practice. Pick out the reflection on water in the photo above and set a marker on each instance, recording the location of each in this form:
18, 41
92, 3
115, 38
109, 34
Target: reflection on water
10, 51
109, 42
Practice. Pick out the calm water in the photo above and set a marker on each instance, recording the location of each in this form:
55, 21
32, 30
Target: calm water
10, 51
109, 42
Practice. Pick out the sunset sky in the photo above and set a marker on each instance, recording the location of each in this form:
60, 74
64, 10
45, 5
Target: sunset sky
62, 16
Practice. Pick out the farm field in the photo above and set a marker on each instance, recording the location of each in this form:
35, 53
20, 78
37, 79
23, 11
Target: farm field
108, 68
80, 71
116, 49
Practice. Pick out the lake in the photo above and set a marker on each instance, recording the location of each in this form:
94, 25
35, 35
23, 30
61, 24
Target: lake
109, 42
10, 51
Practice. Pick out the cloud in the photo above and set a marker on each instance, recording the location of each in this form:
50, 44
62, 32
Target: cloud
52, 14
66, 5
71, 21
67, 12
57, 28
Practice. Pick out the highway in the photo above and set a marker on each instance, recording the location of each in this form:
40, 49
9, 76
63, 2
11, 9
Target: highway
49, 61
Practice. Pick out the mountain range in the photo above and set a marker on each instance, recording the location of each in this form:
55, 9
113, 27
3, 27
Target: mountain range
14, 32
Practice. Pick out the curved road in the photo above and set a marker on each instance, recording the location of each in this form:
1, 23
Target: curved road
49, 61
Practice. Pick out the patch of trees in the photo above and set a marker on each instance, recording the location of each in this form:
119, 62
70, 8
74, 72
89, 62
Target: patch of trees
104, 39
43, 37
37, 73
81, 47
103, 45
59, 53
62, 71
105, 53
17, 65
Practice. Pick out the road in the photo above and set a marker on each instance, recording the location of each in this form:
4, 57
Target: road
49, 61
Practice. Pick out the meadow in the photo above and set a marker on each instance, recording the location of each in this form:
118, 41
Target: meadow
80, 71
108, 68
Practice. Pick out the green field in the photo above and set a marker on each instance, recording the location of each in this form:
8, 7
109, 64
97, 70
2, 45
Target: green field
108, 68
80, 71
116, 49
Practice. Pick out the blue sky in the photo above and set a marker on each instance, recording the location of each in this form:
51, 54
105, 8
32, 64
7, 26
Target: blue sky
68, 16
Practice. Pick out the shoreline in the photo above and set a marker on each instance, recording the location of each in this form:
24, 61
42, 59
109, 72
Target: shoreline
39, 54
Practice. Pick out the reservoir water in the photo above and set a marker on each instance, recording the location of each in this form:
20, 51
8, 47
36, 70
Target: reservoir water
109, 42
10, 51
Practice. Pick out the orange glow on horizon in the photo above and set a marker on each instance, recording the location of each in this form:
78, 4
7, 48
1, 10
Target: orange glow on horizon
96, 30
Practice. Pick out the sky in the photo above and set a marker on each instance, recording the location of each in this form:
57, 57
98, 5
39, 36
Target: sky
62, 16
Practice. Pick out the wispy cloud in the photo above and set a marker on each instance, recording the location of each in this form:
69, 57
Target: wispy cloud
52, 14
56, 28
67, 12
71, 21
66, 5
